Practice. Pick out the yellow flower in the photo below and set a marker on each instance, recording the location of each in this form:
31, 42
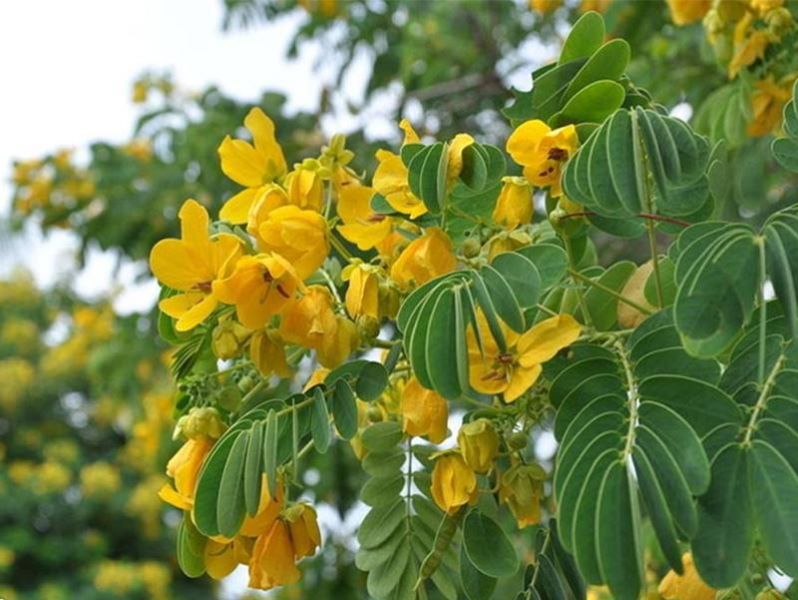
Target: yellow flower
184, 468
454, 484
260, 287
253, 165
272, 562
514, 206
749, 45
689, 586
311, 322
222, 557
99, 480
305, 189
767, 103
304, 528
363, 293
455, 155
268, 509
326, 8
390, 180
268, 354
252, 205
424, 413
684, 12
542, 152
513, 372
544, 7
424, 258
479, 443
299, 236
191, 265
361, 225
520, 489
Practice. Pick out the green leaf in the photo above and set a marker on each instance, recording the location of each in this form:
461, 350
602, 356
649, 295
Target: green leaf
380, 524
210, 476
585, 38
379, 491
230, 503
592, 104
320, 421
774, 490
270, 440
190, 549
447, 366
475, 584
608, 62
602, 305
253, 469
383, 436
785, 150
475, 167
725, 537
344, 409
487, 546
617, 536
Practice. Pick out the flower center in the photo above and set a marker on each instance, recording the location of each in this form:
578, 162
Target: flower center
558, 154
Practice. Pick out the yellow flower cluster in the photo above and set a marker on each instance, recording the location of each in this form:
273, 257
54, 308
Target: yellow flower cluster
149, 578
48, 477
53, 182
16, 375
99, 480
266, 282
89, 327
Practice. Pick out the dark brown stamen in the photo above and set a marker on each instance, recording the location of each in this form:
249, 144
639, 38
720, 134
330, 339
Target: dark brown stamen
558, 154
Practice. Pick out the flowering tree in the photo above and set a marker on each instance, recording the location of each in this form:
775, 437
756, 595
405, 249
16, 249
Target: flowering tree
571, 287
668, 386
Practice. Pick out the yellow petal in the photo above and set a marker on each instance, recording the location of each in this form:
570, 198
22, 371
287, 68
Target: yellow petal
169, 495
178, 305
547, 338
236, 209
522, 379
197, 314
220, 559
242, 163
523, 143
262, 129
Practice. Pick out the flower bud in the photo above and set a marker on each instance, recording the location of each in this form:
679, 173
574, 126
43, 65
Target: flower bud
454, 483
779, 21
471, 247
520, 489
227, 339
479, 444
203, 422
518, 440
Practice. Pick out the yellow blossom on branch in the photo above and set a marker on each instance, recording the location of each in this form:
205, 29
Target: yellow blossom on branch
684, 12
424, 258
361, 225
520, 489
184, 468
299, 236
260, 286
513, 372
252, 165
424, 412
514, 206
454, 483
479, 444
542, 152
191, 265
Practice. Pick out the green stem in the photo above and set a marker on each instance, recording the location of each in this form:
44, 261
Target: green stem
652, 245
331, 285
572, 269
762, 400
378, 343
633, 397
295, 443
611, 291
339, 247
762, 311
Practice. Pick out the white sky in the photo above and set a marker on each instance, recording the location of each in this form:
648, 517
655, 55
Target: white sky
67, 70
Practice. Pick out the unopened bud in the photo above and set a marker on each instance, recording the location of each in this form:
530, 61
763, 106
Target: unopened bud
518, 440
471, 247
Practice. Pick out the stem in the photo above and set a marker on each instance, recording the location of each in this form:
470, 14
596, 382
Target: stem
652, 244
767, 386
331, 285
295, 443
546, 310
650, 216
762, 312
339, 247
378, 343
542, 551
580, 296
612, 292
633, 400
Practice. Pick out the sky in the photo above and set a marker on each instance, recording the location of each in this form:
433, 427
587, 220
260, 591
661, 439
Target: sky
68, 69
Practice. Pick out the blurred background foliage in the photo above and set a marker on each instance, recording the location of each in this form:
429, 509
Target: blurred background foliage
85, 405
